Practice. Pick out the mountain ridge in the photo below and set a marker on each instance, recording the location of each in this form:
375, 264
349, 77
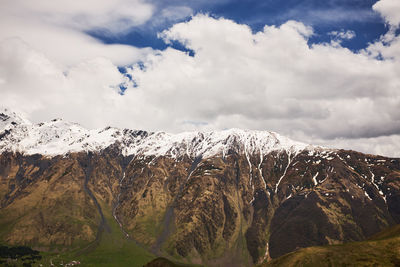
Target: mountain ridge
232, 198
58, 137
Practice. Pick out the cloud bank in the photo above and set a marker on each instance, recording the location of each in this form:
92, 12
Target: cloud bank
269, 80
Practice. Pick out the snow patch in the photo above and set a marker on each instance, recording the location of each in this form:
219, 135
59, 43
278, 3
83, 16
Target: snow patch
315, 178
284, 173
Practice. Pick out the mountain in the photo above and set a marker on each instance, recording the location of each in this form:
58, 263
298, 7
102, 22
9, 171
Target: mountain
224, 198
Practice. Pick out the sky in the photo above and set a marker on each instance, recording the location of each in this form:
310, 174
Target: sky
321, 72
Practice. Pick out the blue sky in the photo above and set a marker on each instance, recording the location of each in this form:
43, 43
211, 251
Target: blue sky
323, 16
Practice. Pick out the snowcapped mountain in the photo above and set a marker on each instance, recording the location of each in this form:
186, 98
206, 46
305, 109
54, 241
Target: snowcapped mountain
58, 137
223, 198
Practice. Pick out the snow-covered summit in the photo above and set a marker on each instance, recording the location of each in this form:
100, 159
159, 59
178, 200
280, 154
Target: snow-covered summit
9, 119
58, 137
51, 138
207, 144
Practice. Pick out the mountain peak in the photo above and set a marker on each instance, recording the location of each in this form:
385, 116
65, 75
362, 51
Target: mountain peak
9, 119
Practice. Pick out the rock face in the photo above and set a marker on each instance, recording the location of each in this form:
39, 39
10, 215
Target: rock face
219, 198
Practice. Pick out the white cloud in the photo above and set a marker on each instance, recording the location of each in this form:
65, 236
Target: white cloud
347, 35
270, 80
116, 16
273, 74
389, 10
36, 86
331, 14
50, 66
383, 145
168, 15
58, 28
388, 47
176, 13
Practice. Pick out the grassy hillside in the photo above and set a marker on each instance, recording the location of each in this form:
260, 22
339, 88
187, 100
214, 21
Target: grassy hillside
113, 249
383, 249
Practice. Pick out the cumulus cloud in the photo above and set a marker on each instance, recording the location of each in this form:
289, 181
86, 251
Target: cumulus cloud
272, 79
269, 80
390, 11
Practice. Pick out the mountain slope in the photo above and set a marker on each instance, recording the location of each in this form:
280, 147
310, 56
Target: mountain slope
382, 250
232, 198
